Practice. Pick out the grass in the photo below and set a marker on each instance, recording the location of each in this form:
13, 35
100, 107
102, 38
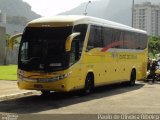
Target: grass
8, 72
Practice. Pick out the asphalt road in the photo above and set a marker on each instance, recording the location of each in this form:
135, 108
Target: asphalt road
114, 99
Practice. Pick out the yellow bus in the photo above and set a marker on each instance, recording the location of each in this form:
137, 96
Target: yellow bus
67, 53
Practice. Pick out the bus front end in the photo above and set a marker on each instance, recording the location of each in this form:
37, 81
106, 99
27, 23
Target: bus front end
43, 60
49, 52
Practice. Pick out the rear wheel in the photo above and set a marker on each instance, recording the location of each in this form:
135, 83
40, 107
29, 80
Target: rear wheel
132, 78
89, 84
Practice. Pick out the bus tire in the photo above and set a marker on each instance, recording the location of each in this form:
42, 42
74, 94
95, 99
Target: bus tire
132, 78
45, 92
89, 84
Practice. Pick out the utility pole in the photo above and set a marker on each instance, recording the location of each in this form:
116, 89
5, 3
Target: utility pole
132, 12
85, 12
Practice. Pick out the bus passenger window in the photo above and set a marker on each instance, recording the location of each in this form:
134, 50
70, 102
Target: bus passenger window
106, 36
142, 41
117, 39
95, 38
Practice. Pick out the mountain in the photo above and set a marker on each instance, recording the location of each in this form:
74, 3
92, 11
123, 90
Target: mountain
17, 8
114, 10
18, 14
96, 8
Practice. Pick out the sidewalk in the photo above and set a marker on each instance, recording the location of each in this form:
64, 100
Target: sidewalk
10, 90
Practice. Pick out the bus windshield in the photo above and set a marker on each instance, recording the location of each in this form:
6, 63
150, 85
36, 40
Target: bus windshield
44, 48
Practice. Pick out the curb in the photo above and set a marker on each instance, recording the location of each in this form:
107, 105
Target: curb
17, 95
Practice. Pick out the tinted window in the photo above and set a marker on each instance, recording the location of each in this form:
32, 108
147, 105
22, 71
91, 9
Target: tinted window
142, 41
44, 47
112, 38
82, 28
107, 38
77, 43
95, 38
117, 39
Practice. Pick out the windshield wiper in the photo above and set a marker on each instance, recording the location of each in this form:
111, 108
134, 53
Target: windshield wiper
33, 59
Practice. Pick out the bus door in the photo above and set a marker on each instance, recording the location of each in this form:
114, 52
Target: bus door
76, 66
76, 53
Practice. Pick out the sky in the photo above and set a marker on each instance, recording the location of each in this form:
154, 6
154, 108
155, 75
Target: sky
53, 7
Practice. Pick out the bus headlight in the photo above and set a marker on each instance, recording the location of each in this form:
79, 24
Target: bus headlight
62, 76
54, 78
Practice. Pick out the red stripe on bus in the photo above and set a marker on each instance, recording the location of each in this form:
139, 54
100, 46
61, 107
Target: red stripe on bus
114, 44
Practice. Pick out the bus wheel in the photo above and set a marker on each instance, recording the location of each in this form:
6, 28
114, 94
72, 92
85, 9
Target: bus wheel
89, 84
45, 92
132, 78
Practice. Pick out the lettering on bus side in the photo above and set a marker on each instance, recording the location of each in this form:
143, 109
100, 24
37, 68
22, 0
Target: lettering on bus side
125, 56
114, 55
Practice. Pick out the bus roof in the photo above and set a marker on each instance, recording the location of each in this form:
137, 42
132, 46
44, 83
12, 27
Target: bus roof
70, 20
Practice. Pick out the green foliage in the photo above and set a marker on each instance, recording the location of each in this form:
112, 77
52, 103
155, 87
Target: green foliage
153, 46
16, 42
7, 39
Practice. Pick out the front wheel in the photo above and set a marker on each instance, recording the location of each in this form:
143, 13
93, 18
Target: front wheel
45, 92
89, 84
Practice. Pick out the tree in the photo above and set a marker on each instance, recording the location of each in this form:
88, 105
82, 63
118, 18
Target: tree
153, 45
16, 42
7, 40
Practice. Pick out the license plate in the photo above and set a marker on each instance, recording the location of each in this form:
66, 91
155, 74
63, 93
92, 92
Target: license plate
38, 86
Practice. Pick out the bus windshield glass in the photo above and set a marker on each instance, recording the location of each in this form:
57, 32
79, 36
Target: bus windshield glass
44, 48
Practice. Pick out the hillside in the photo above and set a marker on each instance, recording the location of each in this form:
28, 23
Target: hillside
115, 10
17, 8
107, 10
18, 14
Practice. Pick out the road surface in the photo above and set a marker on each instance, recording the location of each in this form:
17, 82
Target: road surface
114, 99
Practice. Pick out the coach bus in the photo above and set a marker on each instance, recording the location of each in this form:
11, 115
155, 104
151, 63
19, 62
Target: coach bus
67, 53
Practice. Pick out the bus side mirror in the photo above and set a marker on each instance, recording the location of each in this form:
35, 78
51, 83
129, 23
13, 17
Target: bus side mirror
69, 41
12, 39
